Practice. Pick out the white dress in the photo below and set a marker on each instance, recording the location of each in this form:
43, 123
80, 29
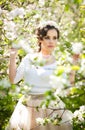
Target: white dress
24, 116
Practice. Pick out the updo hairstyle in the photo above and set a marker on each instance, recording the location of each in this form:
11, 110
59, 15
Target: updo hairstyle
42, 30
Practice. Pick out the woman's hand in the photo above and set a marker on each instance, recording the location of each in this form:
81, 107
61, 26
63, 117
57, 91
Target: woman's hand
76, 58
13, 52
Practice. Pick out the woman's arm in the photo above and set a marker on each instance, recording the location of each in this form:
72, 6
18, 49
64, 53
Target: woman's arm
12, 65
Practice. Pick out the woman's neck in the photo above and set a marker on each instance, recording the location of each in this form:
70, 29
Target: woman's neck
45, 53
48, 57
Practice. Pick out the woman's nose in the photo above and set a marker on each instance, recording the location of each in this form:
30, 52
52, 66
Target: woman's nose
51, 41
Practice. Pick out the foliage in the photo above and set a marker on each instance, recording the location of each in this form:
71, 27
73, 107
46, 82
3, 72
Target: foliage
18, 20
6, 103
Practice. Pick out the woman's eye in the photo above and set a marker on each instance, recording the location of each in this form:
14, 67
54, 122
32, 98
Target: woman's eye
55, 38
46, 37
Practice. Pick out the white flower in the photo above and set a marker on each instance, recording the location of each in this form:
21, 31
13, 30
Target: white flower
76, 113
53, 104
40, 121
79, 114
56, 82
37, 16
60, 103
73, 22
24, 45
11, 35
77, 48
9, 25
65, 33
41, 2
61, 92
82, 109
80, 118
17, 12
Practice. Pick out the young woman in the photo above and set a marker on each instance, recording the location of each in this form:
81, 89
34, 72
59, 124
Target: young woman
38, 76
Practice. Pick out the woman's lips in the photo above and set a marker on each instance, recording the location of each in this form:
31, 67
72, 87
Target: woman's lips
50, 46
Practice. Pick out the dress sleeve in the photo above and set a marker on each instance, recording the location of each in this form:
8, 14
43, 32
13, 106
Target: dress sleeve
20, 70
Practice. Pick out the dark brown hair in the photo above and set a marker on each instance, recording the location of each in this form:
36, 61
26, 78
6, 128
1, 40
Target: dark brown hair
42, 32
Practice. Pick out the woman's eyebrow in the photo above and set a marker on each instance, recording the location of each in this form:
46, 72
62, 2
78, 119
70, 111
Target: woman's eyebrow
55, 36
46, 36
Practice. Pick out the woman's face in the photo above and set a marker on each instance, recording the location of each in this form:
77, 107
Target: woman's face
48, 43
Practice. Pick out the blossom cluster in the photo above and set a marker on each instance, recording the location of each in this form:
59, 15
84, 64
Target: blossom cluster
77, 47
79, 115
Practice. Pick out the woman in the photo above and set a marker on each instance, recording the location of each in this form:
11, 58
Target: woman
38, 76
